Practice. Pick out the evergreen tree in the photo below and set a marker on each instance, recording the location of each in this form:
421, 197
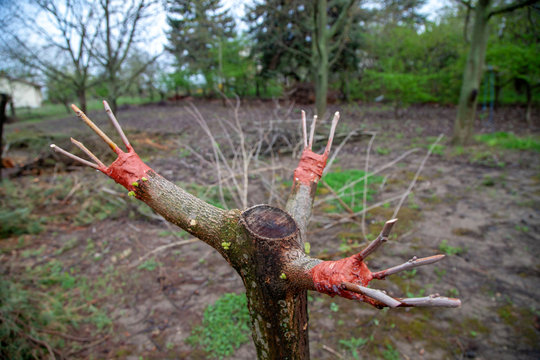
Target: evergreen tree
198, 31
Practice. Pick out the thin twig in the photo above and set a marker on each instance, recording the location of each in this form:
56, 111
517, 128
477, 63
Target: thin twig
74, 157
372, 293
94, 127
116, 124
332, 351
161, 248
87, 152
312, 132
412, 263
413, 182
304, 129
375, 244
430, 301
335, 121
364, 197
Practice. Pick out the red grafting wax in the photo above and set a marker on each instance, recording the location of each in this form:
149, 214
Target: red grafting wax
127, 169
310, 168
329, 275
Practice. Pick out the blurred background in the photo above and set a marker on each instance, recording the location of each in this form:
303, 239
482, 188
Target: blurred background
88, 272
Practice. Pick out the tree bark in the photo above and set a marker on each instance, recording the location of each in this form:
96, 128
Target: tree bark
472, 75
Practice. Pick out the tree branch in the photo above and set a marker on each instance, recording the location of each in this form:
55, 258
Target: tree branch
510, 7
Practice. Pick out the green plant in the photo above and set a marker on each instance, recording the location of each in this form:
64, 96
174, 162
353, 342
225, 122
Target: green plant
450, 250
351, 195
510, 141
150, 265
352, 345
224, 327
391, 353
41, 304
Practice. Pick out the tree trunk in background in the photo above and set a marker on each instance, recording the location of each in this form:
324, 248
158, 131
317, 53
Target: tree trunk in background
472, 75
81, 96
3, 102
320, 57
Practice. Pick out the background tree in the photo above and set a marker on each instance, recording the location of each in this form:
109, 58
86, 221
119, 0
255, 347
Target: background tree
58, 44
310, 39
199, 32
517, 35
483, 11
120, 32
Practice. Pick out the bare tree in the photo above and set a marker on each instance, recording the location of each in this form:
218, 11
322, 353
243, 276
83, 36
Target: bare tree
264, 244
121, 31
56, 38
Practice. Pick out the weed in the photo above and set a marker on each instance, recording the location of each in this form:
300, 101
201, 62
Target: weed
450, 250
522, 228
382, 151
150, 265
391, 353
453, 292
510, 141
334, 307
440, 273
352, 345
224, 327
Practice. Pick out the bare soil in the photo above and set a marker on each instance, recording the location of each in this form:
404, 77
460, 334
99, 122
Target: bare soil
480, 205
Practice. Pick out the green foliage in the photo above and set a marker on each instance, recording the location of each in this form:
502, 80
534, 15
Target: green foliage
391, 353
150, 265
450, 250
510, 141
350, 195
352, 345
16, 215
224, 328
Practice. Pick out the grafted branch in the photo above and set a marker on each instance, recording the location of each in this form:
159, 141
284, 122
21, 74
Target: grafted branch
264, 244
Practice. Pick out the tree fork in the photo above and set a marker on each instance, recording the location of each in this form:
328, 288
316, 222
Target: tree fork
264, 244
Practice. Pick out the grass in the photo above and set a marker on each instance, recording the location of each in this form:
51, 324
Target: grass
450, 250
507, 140
50, 111
224, 328
352, 196
44, 305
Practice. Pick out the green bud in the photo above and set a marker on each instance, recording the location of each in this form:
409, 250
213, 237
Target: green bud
283, 276
135, 183
131, 193
144, 179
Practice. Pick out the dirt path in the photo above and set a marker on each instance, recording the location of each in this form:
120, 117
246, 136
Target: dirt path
479, 205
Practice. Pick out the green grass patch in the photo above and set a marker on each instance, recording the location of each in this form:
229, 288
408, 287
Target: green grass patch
352, 195
38, 305
507, 140
224, 328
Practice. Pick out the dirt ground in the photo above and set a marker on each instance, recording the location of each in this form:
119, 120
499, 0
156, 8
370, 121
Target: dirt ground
480, 205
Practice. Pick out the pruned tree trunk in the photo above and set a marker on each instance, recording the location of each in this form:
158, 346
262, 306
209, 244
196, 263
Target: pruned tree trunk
264, 244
